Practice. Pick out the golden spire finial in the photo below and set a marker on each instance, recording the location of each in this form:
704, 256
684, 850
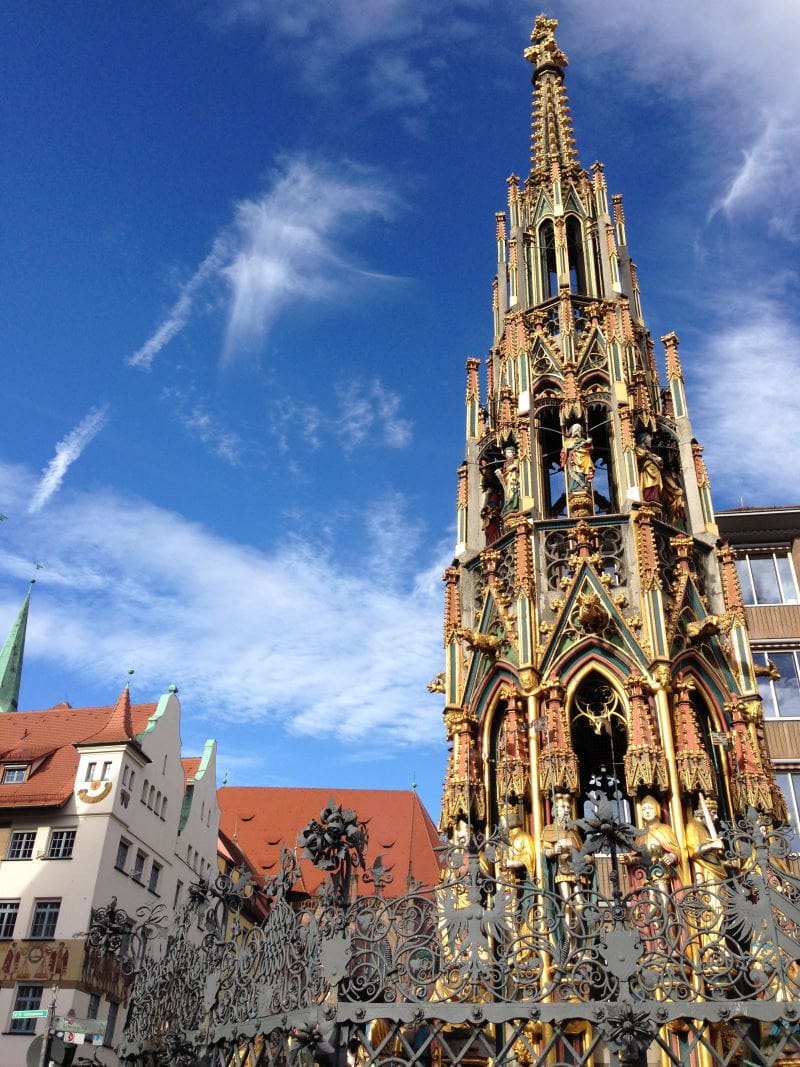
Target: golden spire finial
552, 140
544, 51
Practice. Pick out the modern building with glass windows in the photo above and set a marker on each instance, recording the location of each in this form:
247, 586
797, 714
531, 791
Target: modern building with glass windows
767, 545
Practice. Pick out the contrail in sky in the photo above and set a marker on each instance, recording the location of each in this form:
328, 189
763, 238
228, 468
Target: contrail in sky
67, 451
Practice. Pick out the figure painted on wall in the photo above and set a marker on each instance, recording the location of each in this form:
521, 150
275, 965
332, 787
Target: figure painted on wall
508, 476
576, 460
650, 469
492, 502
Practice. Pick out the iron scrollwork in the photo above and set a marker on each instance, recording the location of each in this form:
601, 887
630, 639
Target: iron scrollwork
487, 959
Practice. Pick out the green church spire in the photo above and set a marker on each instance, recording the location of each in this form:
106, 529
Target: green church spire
11, 659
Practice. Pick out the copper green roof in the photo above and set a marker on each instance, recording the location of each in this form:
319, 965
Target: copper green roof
11, 659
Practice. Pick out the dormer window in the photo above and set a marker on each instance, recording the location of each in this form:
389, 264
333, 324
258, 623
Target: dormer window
14, 772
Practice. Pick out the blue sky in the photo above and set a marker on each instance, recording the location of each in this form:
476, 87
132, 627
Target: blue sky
247, 251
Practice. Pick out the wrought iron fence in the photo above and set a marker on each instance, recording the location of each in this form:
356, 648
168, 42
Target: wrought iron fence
489, 966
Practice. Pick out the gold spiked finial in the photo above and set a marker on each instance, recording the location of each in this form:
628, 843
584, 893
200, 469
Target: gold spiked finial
552, 141
544, 51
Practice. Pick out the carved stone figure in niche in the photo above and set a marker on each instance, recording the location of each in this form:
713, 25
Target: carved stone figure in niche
704, 845
650, 469
492, 502
520, 855
661, 844
576, 460
560, 839
508, 475
673, 498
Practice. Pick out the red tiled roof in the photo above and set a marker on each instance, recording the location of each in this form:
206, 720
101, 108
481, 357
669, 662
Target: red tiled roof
191, 765
119, 723
261, 819
27, 736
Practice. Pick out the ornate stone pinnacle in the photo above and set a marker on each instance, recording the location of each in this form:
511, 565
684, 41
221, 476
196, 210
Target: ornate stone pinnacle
544, 50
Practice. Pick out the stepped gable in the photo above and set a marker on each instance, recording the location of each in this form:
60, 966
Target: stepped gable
47, 740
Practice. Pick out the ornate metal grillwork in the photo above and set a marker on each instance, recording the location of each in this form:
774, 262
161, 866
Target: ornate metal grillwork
489, 967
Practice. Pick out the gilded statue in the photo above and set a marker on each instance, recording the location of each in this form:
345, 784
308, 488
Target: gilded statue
508, 476
650, 469
661, 844
576, 459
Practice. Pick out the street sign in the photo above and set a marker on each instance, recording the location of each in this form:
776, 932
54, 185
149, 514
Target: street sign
31, 1013
81, 1026
71, 1037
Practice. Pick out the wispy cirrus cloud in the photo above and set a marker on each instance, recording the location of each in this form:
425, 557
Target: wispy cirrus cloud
367, 409
195, 414
285, 636
67, 451
387, 52
281, 247
752, 449
729, 58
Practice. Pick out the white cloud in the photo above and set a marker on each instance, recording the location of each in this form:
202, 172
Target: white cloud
743, 408
67, 451
182, 309
737, 64
194, 414
286, 635
385, 52
368, 407
280, 248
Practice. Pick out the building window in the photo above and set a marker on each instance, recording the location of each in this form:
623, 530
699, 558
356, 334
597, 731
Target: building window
781, 696
14, 773
178, 888
152, 883
94, 1006
9, 910
45, 917
20, 847
138, 865
767, 578
164, 808
61, 843
91, 772
111, 1025
28, 998
106, 772
123, 848
790, 786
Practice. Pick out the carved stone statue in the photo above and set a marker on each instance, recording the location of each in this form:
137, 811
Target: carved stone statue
491, 504
508, 476
661, 844
650, 465
576, 460
704, 845
559, 840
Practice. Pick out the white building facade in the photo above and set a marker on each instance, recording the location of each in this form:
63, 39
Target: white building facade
95, 804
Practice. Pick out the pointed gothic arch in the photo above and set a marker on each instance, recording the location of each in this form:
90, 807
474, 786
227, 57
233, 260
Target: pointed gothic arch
549, 436
576, 261
548, 264
597, 712
600, 429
